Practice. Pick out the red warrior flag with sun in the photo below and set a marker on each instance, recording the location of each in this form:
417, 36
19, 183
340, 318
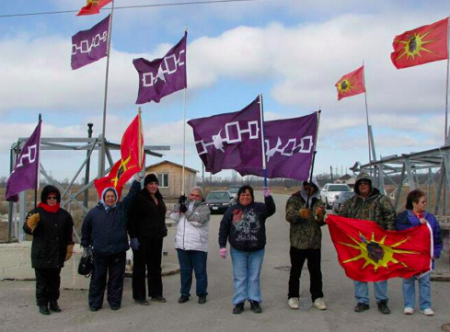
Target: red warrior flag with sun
422, 45
351, 84
369, 253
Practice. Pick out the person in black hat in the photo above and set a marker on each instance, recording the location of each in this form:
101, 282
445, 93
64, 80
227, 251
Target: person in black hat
147, 229
51, 228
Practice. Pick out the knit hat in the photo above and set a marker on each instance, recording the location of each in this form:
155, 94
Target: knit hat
150, 178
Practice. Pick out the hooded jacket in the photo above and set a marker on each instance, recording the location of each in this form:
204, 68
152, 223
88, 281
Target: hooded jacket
375, 207
105, 230
192, 226
305, 233
52, 234
245, 226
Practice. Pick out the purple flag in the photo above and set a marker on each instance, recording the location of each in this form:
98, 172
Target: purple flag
25, 173
161, 77
289, 146
90, 45
228, 141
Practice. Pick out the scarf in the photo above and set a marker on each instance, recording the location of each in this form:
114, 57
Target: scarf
52, 209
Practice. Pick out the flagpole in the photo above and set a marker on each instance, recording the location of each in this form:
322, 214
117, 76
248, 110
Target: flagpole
105, 101
38, 163
140, 139
446, 87
261, 111
314, 153
184, 135
367, 119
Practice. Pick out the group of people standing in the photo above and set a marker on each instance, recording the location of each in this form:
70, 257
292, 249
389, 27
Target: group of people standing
140, 216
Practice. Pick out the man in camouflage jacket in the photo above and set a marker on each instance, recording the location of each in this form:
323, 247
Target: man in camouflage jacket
306, 214
369, 204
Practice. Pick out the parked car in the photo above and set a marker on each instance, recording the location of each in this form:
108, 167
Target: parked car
330, 191
234, 188
340, 200
218, 200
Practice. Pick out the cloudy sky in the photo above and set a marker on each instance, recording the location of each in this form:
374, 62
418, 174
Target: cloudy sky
291, 51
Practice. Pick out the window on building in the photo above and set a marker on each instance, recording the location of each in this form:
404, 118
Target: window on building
163, 179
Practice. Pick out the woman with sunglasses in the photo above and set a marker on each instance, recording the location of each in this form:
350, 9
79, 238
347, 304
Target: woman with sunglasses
51, 228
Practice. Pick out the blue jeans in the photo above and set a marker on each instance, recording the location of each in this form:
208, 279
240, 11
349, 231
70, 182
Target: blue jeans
247, 272
193, 260
362, 291
409, 292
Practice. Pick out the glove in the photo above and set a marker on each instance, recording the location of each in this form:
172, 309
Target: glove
223, 252
320, 212
32, 221
87, 251
134, 243
69, 252
139, 176
183, 208
182, 199
266, 192
305, 213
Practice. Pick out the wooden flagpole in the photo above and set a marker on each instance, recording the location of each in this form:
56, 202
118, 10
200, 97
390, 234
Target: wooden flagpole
261, 111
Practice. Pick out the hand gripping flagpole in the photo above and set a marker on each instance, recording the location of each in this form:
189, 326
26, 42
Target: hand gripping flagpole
261, 111
101, 159
184, 136
314, 154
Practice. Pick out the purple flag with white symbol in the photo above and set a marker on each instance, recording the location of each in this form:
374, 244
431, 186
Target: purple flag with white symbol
90, 45
25, 174
231, 140
161, 77
289, 146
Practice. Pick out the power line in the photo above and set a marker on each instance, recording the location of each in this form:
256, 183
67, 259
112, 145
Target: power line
173, 4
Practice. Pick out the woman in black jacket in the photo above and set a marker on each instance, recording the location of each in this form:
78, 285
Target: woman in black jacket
147, 228
104, 232
244, 225
51, 227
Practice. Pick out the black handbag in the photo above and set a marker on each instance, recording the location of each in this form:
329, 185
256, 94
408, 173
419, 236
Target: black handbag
86, 264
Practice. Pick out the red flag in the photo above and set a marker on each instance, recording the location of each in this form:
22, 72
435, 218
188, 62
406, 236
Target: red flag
351, 84
131, 161
369, 253
422, 45
93, 7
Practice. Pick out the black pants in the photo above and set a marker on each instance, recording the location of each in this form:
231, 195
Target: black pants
148, 257
48, 282
298, 257
111, 268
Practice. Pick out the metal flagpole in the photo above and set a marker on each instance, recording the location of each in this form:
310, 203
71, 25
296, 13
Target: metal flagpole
367, 119
446, 87
140, 145
314, 153
184, 137
38, 162
101, 159
261, 111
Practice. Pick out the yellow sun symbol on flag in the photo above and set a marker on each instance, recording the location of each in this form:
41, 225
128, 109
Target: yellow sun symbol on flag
414, 45
345, 85
376, 253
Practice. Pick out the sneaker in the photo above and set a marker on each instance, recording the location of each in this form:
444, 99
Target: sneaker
427, 312
202, 299
383, 308
255, 307
320, 304
143, 302
408, 311
54, 306
238, 308
183, 299
360, 307
94, 309
115, 307
159, 299
43, 309
293, 303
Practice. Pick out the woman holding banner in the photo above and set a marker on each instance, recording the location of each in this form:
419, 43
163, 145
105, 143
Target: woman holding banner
415, 215
243, 225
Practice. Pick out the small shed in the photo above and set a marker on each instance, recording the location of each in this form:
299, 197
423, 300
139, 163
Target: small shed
348, 179
170, 179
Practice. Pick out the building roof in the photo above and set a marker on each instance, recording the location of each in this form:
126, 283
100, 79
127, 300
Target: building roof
172, 163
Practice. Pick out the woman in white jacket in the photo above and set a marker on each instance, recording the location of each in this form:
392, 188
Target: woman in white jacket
191, 241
